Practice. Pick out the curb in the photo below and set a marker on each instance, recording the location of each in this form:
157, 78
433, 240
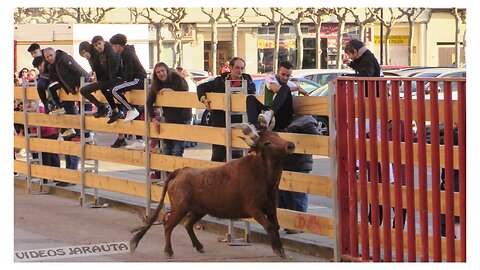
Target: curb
209, 224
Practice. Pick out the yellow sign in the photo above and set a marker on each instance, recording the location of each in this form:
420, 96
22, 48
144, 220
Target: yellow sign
394, 40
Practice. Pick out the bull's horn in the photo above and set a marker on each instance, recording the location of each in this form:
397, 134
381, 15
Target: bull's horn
250, 144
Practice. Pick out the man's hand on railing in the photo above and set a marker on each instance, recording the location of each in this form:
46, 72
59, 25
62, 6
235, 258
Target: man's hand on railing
156, 124
207, 103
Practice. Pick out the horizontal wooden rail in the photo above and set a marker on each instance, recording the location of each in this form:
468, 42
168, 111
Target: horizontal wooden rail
301, 105
417, 242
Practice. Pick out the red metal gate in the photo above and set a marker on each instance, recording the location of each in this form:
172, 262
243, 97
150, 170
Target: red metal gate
399, 125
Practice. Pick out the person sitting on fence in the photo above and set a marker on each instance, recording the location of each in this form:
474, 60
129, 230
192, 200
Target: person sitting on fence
132, 77
237, 67
64, 73
278, 102
105, 62
166, 79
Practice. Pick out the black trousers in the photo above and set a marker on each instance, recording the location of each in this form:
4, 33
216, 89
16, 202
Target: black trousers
119, 88
88, 90
282, 106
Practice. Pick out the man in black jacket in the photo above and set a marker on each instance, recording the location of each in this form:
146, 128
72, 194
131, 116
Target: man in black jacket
132, 76
298, 201
43, 79
362, 60
105, 62
237, 67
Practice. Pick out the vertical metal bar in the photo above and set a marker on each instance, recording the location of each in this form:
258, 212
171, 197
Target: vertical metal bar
148, 184
341, 189
372, 116
422, 172
333, 168
363, 171
27, 137
435, 155
397, 163
387, 233
228, 150
449, 174
82, 148
407, 90
352, 170
462, 144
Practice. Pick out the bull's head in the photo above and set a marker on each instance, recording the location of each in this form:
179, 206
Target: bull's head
271, 143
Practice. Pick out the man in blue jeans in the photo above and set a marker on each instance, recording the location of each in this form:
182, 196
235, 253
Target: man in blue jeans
302, 163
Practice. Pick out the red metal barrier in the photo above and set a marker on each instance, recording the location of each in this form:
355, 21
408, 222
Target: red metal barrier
374, 135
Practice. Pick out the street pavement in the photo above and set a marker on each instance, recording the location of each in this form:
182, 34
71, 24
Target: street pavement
52, 225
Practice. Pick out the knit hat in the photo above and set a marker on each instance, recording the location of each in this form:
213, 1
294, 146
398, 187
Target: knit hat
37, 61
119, 39
85, 46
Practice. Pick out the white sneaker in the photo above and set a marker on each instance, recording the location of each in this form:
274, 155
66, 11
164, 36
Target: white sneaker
131, 115
136, 145
250, 131
265, 117
57, 111
69, 132
23, 152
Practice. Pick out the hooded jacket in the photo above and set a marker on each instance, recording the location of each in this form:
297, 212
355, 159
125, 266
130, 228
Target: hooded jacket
171, 114
305, 124
130, 66
66, 71
218, 86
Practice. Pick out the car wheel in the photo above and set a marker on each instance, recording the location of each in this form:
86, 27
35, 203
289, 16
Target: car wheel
322, 126
207, 118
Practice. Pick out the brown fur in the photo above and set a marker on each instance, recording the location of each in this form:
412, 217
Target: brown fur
244, 188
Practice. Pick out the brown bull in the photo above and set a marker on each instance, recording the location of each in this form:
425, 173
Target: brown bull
244, 188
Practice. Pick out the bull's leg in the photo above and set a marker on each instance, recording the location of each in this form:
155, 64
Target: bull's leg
193, 218
176, 215
260, 217
272, 217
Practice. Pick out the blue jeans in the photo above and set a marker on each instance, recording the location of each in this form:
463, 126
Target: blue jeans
292, 200
71, 162
173, 147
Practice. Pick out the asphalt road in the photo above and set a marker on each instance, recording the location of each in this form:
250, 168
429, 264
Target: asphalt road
56, 225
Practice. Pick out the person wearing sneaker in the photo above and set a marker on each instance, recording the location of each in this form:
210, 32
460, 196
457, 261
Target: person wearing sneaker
105, 62
237, 68
166, 79
278, 101
132, 76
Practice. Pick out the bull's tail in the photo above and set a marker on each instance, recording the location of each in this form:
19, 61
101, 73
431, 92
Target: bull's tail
140, 231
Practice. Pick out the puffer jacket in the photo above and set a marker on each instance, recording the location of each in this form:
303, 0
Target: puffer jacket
66, 71
305, 124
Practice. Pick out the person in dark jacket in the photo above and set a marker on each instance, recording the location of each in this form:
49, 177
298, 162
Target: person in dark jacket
166, 79
362, 60
105, 62
303, 163
237, 67
43, 79
132, 76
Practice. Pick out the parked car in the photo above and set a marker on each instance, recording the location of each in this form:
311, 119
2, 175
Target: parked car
320, 76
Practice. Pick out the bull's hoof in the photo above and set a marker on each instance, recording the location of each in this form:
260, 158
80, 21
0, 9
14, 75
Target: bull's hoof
200, 249
168, 253
280, 253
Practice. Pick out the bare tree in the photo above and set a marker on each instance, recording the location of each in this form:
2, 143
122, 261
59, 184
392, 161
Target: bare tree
457, 14
388, 25
174, 16
25, 15
412, 14
316, 15
277, 20
214, 19
135, 13
368, 18
227, 12
341, 14
295, 17
85, 15
157, 24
